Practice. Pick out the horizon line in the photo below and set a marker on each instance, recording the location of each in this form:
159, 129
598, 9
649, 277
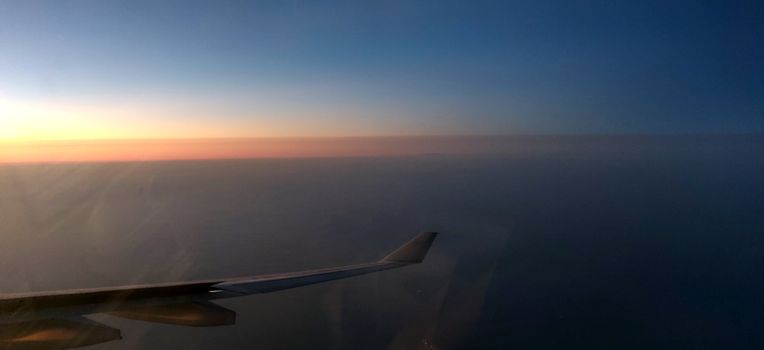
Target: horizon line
391, 136
142, 150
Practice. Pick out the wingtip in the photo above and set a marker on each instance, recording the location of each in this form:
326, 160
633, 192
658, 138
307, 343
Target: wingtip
414, 251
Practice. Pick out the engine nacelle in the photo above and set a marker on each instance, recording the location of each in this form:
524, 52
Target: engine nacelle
195, 314
55, 334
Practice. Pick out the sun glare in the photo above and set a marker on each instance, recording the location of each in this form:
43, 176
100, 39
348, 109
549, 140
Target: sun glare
22, 121
26, 122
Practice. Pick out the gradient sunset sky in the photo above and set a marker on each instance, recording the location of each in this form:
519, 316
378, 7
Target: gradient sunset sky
219, 69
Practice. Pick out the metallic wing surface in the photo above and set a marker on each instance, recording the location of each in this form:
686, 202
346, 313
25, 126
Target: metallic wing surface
26, 318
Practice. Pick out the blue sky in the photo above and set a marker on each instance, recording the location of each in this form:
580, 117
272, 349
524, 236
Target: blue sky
318, 68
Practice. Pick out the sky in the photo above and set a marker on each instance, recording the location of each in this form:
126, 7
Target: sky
73, 70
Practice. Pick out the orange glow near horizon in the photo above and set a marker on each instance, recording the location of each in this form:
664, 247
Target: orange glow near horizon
44, 120
25, 121
150, 150
198, 149
61, 131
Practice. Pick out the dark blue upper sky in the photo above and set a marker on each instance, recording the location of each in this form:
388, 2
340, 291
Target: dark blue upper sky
391, 67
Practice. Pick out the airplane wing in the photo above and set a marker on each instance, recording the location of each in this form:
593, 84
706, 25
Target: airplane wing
412, 252
55, 320
95, 300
